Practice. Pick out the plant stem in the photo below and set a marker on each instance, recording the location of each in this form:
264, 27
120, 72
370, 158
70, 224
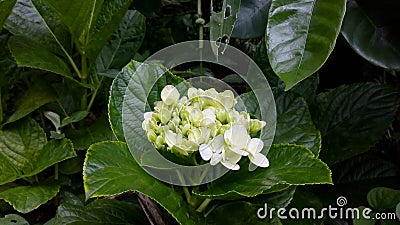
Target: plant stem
94, 94
84, 76
1, 108
187, 194
203, 205
201, 22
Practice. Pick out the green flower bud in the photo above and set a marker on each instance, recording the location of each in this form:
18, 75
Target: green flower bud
256, 125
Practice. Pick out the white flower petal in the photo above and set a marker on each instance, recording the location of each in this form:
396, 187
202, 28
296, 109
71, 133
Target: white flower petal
230, 165
205, 152
215, 159
170, 95
148, 115
240, 152
255, 146
218, 144
259, 160
237, 136
170, 138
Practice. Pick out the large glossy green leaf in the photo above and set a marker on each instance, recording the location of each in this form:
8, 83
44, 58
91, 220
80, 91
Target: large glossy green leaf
38, 95
27, 198
372, 41
352, 118
5, 10
29, 53
110, 169
382, 198
123, 45
261, 58
76, 15
121, 82
33, 20
251, 19
289, 164
103, 211
221, 23
104, 24
301, 35
13, 219
294, 124
25, 151
307, 88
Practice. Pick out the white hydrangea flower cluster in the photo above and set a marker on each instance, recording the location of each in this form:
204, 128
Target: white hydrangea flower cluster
204, 121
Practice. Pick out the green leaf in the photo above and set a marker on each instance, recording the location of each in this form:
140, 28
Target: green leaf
121, 82
5, 10
33, 20
382, 198
27, 198
261, 58
29, 53
124, 43
75, 117
289, 164
307, 88
25, 151
251, 19
372, 41
98, 131
294, 124
19, 144
221, 23
103, 211
398, 211
104, 24
300, 36
54, 118
8, 67
76, 15
53, 152
368, 166
38, 95
110, 169
13, 219
353, 117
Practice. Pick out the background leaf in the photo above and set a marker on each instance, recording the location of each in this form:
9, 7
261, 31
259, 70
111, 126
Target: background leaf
301, 35
251, 19
374, 42
294, 124
38, 95
98, 131
123, 45
33, 20
289, 164
103, 211
110, 169
221, 23
27, 198
5, 10
28, 53
104, 24
382, 198
76, 15
13, 219
352, 118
